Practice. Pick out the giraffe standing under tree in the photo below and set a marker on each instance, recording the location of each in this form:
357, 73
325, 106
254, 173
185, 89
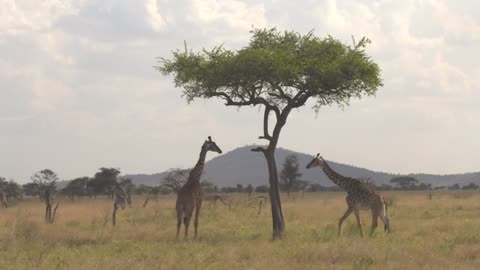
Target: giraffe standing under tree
189, 197
359, 195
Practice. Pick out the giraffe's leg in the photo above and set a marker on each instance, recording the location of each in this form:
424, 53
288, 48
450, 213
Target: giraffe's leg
374, 220
188, 217
342, 219
179, 209
383, 216
359, 221
186, 223
197, 213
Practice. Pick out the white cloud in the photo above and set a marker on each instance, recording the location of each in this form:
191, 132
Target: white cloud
155, 19
228, 20
17, 16
79, 74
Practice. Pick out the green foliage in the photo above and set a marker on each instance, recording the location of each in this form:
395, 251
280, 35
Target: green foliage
262, 189
277, 68
76, 187
103, 181
249, 189
175, 179
405, 182
10, 189
290, 175
46, 182
30, 189
208, 187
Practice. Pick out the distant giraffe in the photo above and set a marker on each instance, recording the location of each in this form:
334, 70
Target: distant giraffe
3, 199
120, 198
212, 199
359, 195
189, 197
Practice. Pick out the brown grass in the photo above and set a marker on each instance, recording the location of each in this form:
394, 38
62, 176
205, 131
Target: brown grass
426, 234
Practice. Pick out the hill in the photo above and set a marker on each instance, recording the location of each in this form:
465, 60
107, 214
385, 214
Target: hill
241, 166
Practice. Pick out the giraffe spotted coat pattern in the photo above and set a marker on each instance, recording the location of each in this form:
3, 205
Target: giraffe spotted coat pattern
359, 195
189, 197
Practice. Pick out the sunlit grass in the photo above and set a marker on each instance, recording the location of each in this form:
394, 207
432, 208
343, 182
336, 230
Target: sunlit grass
441, 233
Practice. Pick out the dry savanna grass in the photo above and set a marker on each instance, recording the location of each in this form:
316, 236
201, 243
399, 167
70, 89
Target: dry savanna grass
441, 233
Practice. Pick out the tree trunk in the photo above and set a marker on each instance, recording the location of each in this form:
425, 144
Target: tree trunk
277, 215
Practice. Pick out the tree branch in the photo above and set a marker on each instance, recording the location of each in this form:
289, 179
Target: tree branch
266, 135
300, 101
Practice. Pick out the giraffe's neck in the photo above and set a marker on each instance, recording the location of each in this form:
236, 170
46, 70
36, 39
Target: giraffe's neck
197, 171
336, 178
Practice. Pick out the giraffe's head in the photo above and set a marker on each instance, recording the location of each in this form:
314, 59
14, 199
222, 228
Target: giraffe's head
317, 161
211, 146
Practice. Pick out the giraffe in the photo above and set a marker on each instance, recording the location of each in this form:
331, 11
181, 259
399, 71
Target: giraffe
190, 195
3, 199
214, 198
359, 195
120, 198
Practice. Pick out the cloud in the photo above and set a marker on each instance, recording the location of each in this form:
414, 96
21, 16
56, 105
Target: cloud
79, 75
155, 19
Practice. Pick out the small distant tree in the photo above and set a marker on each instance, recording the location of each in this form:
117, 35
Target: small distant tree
315, 188
423, 186
207, 186
454, 187
229, 189
103, 181
249, 189
290, 174
46, 181
30, 189
13, 190
176, 178
404, 182
239, 188
262, 189
3, 196
471, 186
76, 187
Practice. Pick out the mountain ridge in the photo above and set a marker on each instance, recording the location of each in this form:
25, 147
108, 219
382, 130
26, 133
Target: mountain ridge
241, 166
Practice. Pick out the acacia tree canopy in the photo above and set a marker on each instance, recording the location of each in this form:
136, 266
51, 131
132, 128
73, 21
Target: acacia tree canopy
277, 69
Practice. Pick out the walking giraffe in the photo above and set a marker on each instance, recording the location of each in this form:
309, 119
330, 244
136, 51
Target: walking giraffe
359, 195
189, 197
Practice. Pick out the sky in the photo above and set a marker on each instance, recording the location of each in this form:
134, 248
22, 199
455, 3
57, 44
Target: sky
78, 90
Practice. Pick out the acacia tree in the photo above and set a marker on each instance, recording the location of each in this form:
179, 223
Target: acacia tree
279, 71
405, 182
76, 187
46, 182
175, 179
103, 181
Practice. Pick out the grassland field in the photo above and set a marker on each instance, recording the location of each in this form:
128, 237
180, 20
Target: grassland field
442, 233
